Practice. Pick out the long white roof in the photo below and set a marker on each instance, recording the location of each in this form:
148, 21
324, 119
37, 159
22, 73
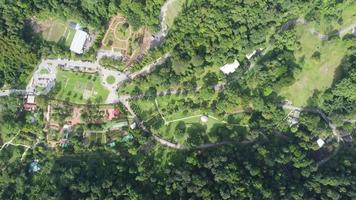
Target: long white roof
230, 68
78, 41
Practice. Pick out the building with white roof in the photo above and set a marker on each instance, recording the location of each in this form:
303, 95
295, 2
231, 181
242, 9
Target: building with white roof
78, 41
204, 118
230, 68
320, 142
30, 99
249, 56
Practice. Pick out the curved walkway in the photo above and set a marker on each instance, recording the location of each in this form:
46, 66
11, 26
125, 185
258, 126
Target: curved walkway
315, 111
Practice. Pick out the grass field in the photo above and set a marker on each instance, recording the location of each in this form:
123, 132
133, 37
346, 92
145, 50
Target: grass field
173, 11
316, 74
80, 87
57, 31
69, 35
189, 118
170, 132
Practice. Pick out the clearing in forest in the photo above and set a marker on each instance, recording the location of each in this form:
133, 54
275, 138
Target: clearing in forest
319, 61
172, 120
54, 30
77, 87
121, 37
173, 10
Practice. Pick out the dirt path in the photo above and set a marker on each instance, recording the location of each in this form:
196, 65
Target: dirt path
8, 143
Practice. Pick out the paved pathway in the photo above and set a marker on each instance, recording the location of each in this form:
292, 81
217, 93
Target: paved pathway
107, 53
47, 80
119, 79
350, 120
4, 93
316, 111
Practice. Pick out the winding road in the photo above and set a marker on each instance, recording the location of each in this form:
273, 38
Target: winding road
315, 111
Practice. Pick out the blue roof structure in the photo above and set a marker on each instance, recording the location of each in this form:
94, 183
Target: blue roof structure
34, 167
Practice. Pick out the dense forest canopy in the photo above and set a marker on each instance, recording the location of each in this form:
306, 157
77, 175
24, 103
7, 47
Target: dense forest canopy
260, 156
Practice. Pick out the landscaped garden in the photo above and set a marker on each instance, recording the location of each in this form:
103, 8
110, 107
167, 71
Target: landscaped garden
120, 37
80, 88
110, 79
169, 118
122, 31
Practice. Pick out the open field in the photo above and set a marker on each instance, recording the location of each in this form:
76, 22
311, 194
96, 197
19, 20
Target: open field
80, 87
175, 121
69, 35
56, 31
317, 73
173, 11
172, 133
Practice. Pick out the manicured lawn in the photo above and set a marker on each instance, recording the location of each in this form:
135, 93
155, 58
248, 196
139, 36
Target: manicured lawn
110, 79
316, 74
80, 87
170, 132
190, 117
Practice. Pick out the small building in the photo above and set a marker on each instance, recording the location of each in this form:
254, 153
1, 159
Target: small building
293, 118
133, 125
30, 104
353, 31
119, 125
230, 68
112, 113
249, 56
74, 25
34, 166
254, 53
320, 142
78, 41
204, 118
345, 136
127, 138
